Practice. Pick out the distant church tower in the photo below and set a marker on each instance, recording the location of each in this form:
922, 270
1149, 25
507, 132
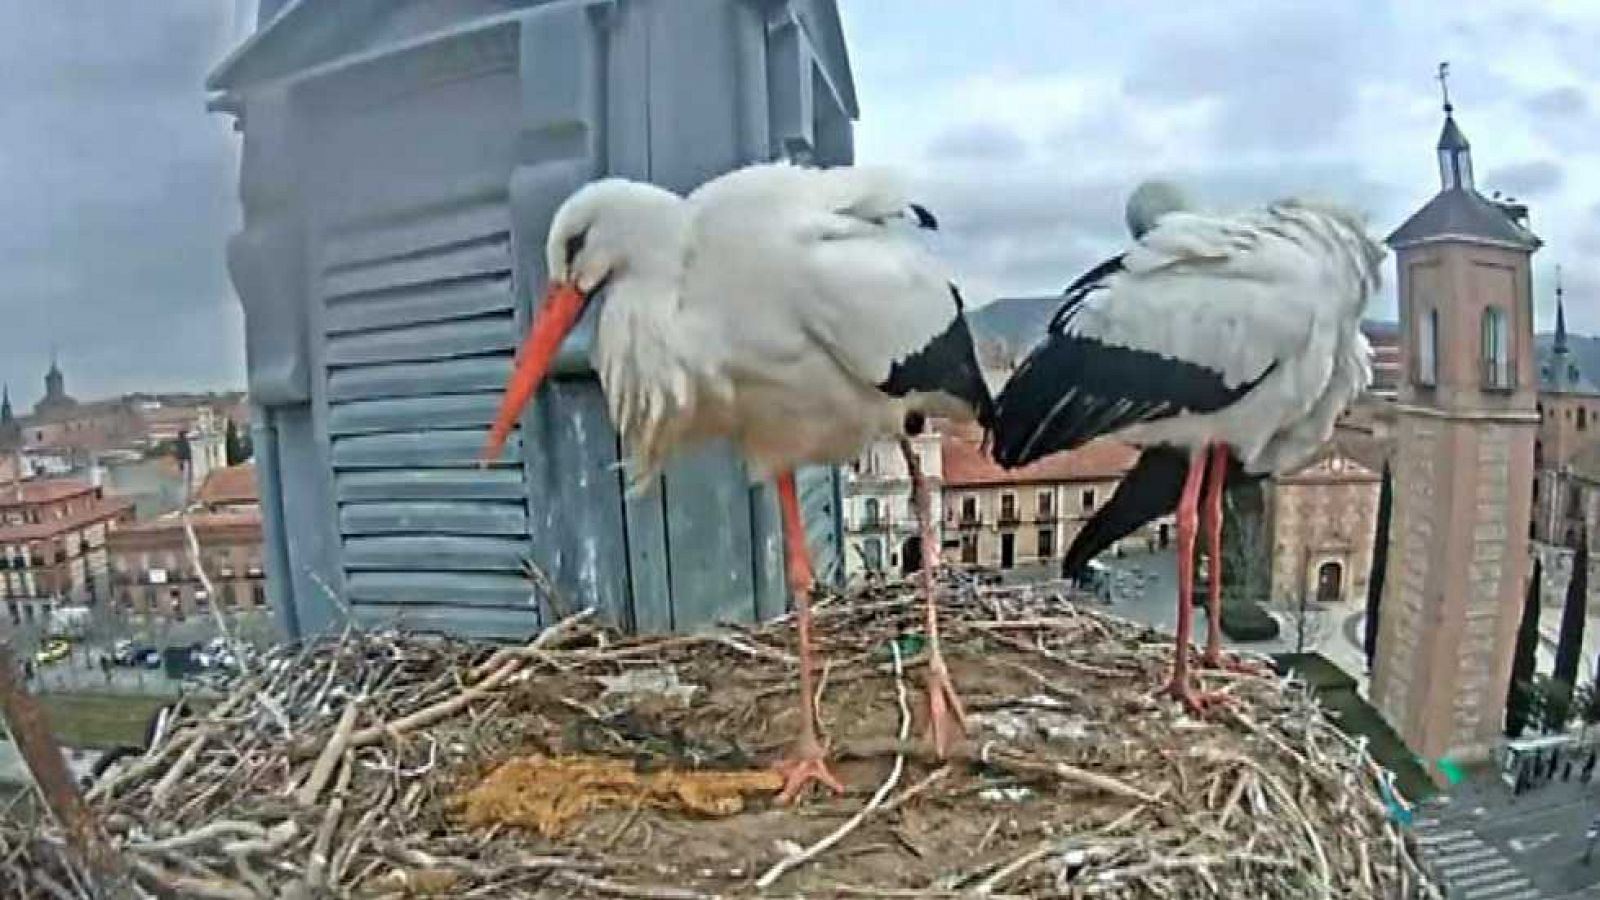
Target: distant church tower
1458, 552
10, 428
56, 399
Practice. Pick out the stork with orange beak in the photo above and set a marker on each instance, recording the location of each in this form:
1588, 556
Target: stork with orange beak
783, 308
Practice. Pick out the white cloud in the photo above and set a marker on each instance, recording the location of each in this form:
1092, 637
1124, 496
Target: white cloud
1240, 102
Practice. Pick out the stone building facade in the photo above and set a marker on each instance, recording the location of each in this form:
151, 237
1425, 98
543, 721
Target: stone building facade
1567, 452
152, 572
1466, 423
1003, 519
880, 525
152, 568
53, 537
1322, 518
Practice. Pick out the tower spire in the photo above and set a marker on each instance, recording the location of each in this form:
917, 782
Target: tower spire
1561, 316
1455, 154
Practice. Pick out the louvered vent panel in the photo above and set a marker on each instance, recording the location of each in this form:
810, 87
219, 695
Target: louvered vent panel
420, 335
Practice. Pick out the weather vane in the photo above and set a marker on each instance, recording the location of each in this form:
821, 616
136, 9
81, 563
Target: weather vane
1444, 86
1558, 279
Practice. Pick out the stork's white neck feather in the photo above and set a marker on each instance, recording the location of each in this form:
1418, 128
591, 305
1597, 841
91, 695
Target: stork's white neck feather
647, 351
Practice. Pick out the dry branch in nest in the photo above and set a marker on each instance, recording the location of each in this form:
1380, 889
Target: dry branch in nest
588, 763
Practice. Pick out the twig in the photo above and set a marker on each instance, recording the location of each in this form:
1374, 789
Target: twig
213, 600
206, 833
878, 796
316, 869
441, 710
1004, 873
618, 889
323, 770
549, 637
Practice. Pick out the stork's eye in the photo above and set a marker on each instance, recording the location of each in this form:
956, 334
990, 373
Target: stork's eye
575, 245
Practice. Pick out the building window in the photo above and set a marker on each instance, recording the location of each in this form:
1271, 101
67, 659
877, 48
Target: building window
1047, 543
969, 549
1046, 504
969, 509
1495, 349
1088, 500
1428, 349
869, 515
872, 549
1574, 502
1583, 418
1008, 507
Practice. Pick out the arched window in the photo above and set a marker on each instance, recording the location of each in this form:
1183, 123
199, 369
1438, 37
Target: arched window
1428, 349
870, 514
1495, 349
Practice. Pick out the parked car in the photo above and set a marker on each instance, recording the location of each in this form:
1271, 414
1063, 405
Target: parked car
126, 652
54, 650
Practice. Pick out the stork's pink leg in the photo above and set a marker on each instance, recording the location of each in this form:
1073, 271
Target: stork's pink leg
946, 716
1216, 482
806, 761
1180, 686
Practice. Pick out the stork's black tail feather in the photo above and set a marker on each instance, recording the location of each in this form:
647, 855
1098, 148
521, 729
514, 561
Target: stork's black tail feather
1149, 490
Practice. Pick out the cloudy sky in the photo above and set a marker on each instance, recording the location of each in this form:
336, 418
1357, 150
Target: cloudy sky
1025, 123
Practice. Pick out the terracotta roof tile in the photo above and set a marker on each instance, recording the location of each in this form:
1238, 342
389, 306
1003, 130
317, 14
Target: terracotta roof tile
36, 490
234, 484
106, 509
200, 521
966, 465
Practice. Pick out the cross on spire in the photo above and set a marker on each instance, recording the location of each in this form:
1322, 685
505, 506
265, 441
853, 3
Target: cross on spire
1444, 86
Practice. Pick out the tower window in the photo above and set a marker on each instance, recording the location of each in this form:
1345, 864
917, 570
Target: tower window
1428, 349
1495, 351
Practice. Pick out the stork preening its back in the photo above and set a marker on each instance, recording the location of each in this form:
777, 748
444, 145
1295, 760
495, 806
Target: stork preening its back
784, 308
1233, 339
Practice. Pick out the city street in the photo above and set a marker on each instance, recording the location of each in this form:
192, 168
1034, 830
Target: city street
1145, 590
81, 669
1489, 845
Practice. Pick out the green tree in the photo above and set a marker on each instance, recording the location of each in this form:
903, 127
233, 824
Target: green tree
1554, 703
1569, 646
1518, 711
1380, 562
1246, 556
1586, 704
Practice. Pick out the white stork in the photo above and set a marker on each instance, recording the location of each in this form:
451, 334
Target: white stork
1232, 338
778, 307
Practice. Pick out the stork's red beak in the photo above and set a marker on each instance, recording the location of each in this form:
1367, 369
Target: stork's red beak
563, 303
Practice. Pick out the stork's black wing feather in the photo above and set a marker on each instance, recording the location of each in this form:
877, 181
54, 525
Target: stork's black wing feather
1073, 389
1149, 490
948, 363
1079, 290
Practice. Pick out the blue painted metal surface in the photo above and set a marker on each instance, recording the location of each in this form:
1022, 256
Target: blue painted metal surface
402, 159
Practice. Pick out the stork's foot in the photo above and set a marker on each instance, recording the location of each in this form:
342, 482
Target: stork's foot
1197, 703
1217, 660
946, 716
805, 763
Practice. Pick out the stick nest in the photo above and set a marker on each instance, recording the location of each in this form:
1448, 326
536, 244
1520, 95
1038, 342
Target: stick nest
590, 764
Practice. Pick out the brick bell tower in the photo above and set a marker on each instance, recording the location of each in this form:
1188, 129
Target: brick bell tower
1458, 551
